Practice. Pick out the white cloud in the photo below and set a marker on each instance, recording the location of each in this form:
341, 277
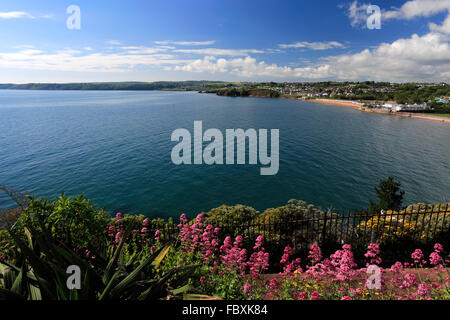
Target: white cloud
74, 60
444, 28
114, 42
418, 58
425, 58
418, 8
142, 49
186, 43
15, 15
247, 67
313, 45
24, 46
357, 13
220, 52
48, 16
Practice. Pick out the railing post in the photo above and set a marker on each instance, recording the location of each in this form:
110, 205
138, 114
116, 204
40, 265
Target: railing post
324, 228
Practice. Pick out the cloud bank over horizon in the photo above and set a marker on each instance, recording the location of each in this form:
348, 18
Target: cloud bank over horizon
419, 57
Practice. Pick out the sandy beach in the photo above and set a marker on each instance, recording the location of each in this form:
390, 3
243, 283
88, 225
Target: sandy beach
349, 104
358, 106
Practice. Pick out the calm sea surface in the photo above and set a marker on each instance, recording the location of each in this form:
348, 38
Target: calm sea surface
115, 148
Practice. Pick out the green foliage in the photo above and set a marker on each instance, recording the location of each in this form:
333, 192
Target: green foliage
159, 85
76, 222
389, 195
39, 271
245, 92
237, 215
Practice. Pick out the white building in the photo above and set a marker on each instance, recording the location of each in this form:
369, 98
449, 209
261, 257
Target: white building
395, 107
411, 107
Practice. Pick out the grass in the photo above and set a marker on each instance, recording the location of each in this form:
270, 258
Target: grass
447, 115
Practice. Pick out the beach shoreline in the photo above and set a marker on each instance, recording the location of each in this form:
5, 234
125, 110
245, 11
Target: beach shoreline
359, 106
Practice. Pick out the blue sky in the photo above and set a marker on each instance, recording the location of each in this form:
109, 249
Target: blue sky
224, 40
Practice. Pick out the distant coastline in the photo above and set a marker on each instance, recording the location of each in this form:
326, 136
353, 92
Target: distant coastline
220, 88
360, 107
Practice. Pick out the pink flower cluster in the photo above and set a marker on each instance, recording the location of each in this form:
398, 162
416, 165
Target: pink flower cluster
340, 271
198, 237
435, 256
343, 264
417, 256
288, 265
259, 260
373, 251
315, 254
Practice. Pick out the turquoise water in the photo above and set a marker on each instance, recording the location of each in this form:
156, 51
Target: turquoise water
115, 148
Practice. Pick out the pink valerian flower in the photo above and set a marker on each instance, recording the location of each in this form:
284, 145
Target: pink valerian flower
315, 296
259, 260
410, 280
146, 222
157, 235
111, 231
118, 236
119, 218
197, 237
355, 292
438, 248
423, 290
417, 256
435, 258
233, 256
347, 247
144, 230
318, 270
343, 264
303, 296
183, 219
346, 298
227, 244
373, 251
315, 254
274, 283
200, 219
238, 241
208, 242
259, 242
289, 266
248, 288
397, 269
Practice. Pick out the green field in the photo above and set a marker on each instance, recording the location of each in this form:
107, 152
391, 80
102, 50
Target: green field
447, 115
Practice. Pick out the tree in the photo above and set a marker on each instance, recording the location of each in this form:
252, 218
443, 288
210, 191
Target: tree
389, 195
